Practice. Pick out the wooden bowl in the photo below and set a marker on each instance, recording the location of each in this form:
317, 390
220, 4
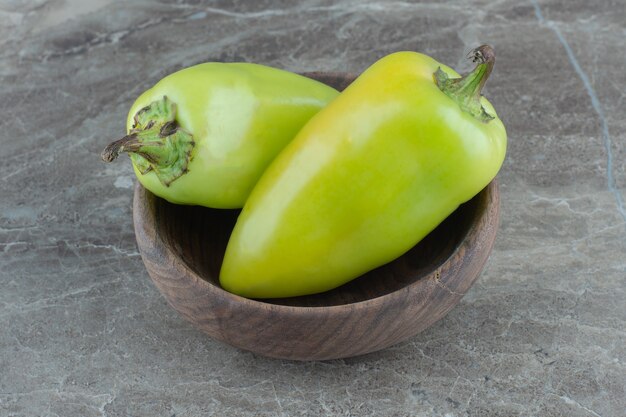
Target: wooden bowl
183, 246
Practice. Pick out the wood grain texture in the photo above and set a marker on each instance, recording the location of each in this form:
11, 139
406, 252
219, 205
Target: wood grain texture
183, 247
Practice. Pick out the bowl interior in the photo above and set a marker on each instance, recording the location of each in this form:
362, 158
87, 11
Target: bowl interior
199, 236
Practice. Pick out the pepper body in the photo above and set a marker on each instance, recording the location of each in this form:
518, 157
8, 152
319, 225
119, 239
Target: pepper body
239, 116
366, 179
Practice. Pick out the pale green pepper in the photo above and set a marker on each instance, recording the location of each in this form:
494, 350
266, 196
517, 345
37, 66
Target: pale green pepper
205, 134
367, 178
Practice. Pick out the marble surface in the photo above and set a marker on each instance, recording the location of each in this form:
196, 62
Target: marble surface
85, 333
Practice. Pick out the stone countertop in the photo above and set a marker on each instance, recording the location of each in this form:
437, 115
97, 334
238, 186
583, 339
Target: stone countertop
84, 331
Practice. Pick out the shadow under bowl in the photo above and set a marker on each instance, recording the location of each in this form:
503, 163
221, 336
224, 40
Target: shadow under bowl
183, 247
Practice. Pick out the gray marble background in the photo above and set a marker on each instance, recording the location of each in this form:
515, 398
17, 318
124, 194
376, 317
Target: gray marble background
83, 332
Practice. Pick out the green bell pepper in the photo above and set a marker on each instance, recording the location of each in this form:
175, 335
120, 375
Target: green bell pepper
367, 177
205, 134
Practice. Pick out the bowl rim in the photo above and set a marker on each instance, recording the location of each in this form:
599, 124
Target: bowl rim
144, 220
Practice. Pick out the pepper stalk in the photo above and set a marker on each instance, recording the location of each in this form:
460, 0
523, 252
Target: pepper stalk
466, 90
155, 142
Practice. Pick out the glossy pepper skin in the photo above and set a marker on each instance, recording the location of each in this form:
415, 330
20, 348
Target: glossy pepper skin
367, 178
205, 134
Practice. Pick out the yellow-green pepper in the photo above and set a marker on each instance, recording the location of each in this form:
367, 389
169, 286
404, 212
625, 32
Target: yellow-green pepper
367, 177
205, 134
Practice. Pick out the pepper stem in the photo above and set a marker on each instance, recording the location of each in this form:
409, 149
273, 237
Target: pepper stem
466, 91
155, 142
